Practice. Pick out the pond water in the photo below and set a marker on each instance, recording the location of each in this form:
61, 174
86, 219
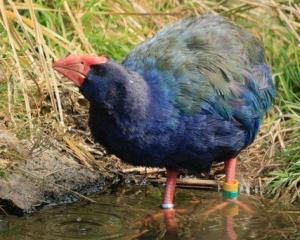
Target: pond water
133, 213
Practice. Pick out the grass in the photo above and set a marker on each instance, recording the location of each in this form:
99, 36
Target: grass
285, 182
34, 100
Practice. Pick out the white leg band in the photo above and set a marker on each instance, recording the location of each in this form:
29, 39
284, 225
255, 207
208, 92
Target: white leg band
167, 206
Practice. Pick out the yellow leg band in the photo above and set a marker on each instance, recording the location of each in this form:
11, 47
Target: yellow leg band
231, 187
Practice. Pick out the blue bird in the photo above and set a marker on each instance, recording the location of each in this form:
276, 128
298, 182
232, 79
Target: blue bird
193, 94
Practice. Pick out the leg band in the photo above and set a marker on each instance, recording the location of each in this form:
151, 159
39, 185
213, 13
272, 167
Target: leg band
167, 206
230, 190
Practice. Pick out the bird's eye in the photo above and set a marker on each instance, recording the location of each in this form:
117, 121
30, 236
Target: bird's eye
82, 63
99, 69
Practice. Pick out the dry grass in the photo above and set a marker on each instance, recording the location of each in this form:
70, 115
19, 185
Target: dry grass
35, 101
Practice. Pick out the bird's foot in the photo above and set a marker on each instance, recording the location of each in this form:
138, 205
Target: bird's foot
230, 207
167, 214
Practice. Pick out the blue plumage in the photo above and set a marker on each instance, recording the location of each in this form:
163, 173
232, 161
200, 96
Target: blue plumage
194, 93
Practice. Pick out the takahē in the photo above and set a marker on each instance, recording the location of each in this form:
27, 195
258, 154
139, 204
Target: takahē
193, 94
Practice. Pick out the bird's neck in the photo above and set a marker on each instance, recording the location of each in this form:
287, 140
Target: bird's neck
135, 98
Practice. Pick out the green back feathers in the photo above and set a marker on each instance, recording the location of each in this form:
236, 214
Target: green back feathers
201, 60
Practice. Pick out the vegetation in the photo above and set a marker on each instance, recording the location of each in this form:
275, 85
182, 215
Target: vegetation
35, 101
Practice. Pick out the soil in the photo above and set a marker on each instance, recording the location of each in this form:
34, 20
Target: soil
47, 175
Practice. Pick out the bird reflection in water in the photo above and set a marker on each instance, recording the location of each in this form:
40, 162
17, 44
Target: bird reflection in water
229, 209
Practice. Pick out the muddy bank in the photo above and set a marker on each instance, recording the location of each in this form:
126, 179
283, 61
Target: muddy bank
48, 175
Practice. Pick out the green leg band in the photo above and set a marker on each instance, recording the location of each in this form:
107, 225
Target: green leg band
230, 195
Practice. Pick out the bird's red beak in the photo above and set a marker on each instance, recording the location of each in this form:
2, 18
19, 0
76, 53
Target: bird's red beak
76, 68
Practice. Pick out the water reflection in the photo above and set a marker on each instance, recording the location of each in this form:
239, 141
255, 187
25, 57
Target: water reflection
131, 213
230, 210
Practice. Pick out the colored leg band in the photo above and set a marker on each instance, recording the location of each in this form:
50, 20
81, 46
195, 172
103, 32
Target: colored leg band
230, 195
167, 206
230, 190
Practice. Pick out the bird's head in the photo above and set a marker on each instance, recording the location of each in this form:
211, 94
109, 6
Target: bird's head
76, 68
99, 79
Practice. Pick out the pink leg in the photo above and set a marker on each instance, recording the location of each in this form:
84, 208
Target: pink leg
170, 189
230, 166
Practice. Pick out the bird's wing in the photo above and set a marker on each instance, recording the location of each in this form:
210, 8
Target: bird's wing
207, 63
